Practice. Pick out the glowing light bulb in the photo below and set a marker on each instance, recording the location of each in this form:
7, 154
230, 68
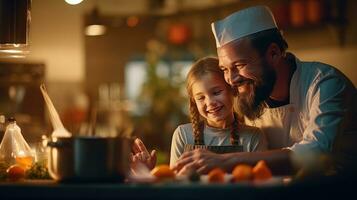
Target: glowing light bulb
73, 2
95, 30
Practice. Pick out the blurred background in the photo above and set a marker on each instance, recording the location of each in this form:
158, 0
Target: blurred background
122, 64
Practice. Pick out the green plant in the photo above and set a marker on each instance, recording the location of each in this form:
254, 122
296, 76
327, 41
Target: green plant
164, 109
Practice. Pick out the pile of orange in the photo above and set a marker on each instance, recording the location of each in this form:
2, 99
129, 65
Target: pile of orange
259, 172
242, 172
163, 172
216, 175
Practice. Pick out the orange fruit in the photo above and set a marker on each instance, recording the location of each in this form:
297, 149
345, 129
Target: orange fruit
163, 172
216, 175
261, 171
15, 172
242, 172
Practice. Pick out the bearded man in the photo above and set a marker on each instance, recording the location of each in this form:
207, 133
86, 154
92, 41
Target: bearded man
306, 109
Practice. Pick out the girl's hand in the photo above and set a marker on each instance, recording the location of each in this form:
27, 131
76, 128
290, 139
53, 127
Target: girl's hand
141, 154
199, 160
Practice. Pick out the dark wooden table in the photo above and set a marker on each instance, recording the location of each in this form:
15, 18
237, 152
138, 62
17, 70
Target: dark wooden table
317, 188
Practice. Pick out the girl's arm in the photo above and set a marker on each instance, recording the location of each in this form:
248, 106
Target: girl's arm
177, 146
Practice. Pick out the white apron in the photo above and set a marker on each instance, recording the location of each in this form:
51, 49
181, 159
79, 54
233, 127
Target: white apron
276, 125
280, 124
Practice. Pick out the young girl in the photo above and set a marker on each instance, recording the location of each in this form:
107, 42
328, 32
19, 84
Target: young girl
214, 125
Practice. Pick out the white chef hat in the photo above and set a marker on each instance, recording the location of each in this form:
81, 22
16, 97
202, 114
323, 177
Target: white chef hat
242, 23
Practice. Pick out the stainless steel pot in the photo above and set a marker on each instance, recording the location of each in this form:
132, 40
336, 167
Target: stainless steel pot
89, 158
60, 158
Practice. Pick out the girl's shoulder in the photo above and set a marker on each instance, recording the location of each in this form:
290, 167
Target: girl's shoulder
184, 132
184, 128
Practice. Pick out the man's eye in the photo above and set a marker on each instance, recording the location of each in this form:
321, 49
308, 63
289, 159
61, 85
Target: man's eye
240, 66
217, 92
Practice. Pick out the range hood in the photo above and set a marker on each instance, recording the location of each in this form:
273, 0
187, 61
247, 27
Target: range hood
15, 20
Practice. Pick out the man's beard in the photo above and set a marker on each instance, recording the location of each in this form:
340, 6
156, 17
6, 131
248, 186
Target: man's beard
252, 104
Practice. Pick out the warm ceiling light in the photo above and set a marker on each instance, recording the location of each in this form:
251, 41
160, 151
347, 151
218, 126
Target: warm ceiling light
95, 25
73, 2
95, 30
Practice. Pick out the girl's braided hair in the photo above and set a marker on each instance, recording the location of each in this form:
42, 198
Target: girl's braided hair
204, 66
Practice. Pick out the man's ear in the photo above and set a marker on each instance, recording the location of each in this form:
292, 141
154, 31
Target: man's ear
273, 54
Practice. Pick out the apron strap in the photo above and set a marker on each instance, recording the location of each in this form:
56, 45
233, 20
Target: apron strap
215, 149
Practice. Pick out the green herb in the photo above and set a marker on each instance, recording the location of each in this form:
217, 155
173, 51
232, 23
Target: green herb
38, 171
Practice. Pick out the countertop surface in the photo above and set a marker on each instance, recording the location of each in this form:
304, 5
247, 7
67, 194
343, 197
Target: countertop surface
49, 189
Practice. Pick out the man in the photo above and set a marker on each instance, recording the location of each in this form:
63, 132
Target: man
306, 109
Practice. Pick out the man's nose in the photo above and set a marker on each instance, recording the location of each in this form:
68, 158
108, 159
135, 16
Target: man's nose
233, 77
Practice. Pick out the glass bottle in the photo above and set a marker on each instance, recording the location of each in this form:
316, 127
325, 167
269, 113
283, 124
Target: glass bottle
14, 149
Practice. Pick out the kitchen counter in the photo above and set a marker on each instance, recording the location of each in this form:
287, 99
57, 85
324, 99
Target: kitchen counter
48, 189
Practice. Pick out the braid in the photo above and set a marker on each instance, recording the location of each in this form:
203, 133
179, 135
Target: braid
196, 124
235, 130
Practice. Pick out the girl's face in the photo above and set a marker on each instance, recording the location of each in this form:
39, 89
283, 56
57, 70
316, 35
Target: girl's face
214, 100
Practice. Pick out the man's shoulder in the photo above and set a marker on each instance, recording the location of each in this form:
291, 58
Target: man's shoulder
317, 78
318, 73
309, 75
315, 70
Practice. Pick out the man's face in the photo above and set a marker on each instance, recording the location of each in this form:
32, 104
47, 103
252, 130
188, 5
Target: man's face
249, 74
